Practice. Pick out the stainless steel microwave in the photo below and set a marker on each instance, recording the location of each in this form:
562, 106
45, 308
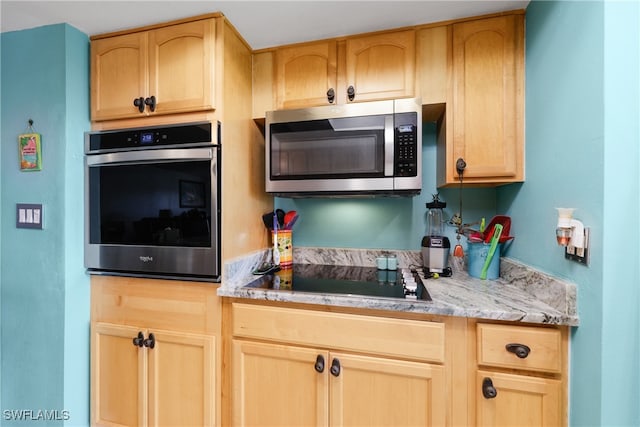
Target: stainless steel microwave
360, 149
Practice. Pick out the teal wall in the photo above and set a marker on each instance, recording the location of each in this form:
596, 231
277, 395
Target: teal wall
44, 292
385, 223
582, 152
621, 295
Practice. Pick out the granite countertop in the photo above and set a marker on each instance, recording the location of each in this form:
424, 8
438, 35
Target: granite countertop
521, 294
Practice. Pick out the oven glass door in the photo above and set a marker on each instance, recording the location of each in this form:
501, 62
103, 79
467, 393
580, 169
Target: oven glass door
351, 147
156, 202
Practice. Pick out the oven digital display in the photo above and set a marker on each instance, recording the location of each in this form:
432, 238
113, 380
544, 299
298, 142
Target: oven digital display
146, 138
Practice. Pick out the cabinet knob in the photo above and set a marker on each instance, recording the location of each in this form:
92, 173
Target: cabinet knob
520, 350
137, 341
461, 165
351, 93
150, 342
331, 95
151, 102
335, 367
488, 390
139, 102
319, 363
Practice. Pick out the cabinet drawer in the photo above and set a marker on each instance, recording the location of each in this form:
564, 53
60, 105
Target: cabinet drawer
422, 340
544, 347
155, 303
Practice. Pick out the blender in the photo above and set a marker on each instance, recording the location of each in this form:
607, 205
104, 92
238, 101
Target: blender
436, 246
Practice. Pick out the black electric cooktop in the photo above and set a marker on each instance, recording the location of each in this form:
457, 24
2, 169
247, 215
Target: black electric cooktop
346, 280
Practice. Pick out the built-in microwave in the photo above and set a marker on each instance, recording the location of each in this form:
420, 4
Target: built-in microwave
152, 202
359, 149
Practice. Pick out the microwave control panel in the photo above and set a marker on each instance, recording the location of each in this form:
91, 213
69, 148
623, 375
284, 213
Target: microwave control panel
406, 150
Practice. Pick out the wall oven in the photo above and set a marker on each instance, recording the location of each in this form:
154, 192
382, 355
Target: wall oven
152, 202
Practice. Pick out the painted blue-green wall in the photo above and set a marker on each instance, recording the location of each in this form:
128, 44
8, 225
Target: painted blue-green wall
621, 294
385, 223
44, 291
582, 152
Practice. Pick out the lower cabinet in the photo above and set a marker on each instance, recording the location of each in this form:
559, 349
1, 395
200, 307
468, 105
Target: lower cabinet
288, 385
152, 377
520, 378
300, 367
291, 365
153, 353
518, 400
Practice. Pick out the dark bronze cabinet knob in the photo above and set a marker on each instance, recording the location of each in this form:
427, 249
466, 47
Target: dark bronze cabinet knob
488, 390
139, 102
319, 363
520, 350
137, 341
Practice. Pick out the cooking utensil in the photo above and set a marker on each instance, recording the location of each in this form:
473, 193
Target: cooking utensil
289, 225
267, 219
276, 252
503, 220
495, 238
287, 219
280, 215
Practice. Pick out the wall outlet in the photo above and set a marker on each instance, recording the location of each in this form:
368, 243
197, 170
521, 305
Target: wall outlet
579, 255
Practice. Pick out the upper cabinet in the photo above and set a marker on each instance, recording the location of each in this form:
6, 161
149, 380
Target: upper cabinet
484, 124
365, 68
158, 71
379, 66
305, 74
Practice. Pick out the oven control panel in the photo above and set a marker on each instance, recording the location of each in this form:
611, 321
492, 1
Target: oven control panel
192, 134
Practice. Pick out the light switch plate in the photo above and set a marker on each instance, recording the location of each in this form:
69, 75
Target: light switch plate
29, 215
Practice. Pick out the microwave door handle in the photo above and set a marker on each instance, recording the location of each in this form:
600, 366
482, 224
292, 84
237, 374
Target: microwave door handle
133, 157
388, 145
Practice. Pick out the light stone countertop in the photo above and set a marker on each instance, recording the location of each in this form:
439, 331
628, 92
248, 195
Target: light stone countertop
521, 294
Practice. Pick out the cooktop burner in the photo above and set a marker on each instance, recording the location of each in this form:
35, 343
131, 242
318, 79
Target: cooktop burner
349, 280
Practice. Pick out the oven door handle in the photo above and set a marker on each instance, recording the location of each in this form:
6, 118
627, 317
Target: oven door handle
150, 156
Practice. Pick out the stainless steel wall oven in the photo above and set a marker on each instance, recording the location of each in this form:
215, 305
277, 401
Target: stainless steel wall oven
152, 202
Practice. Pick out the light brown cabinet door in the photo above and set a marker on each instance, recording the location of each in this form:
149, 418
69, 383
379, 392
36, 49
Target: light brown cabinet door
381, 66
118, 377
520, 400
487, 99
169, 384
278, 385
181, 67
374, 391
304, 74
182, 380
119, 73
174, 64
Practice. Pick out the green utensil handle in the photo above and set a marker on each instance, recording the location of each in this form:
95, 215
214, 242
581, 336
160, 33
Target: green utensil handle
497, 231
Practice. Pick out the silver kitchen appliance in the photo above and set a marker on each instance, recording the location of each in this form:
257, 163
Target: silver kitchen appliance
152, 202
435, 245
358, 149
